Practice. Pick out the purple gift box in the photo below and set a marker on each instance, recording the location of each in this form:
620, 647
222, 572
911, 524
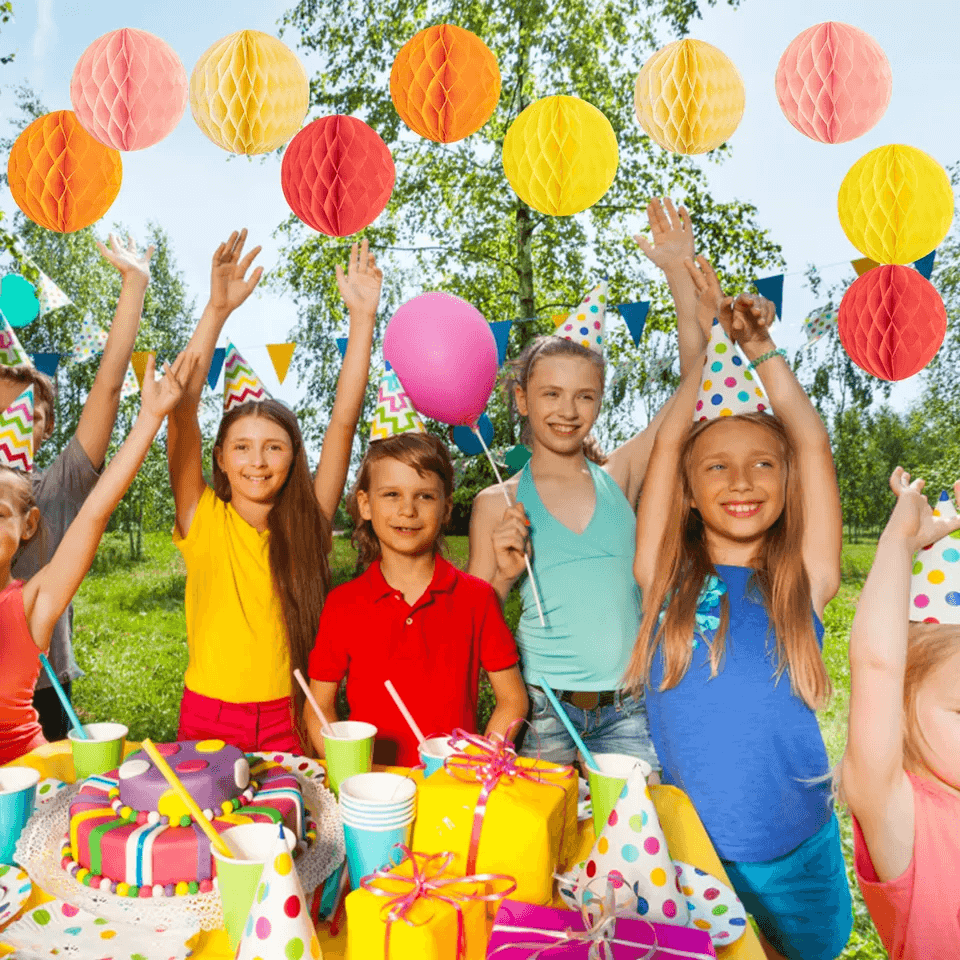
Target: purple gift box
520, 930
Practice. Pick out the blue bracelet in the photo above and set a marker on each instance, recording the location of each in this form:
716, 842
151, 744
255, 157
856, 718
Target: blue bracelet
779, 352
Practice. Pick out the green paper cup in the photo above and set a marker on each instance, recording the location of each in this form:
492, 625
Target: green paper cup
237, 877
607, 783
349, 751
102, 752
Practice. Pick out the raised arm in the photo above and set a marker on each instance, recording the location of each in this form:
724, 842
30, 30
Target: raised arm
360, 289
872, 778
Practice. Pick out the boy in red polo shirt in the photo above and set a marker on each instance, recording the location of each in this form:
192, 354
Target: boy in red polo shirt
411, 617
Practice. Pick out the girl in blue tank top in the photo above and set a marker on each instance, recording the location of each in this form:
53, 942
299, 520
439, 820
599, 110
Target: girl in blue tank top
738, 552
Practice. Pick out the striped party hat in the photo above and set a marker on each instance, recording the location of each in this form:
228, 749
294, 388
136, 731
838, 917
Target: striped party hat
395, 413
240, 383
935, 584
16, 433
587, 324
728, 388
11, 352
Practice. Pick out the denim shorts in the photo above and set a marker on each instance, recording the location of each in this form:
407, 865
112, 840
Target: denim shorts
618, 728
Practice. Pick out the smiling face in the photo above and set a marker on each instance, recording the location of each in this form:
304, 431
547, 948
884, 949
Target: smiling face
255, 456
9, 391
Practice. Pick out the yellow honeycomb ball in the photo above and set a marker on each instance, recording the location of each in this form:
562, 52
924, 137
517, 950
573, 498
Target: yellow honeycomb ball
560, 155
249, 93
895, 204
689, 97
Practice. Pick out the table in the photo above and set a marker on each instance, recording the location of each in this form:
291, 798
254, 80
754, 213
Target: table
686, 837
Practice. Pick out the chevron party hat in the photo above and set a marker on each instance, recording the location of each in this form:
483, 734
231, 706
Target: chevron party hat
395, 413
728, 388
935, 584
240, 383
11, 352
16, 433
587, 324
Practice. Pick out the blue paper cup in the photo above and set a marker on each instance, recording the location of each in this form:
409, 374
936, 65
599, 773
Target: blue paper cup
433, 752
369, 848
18, 796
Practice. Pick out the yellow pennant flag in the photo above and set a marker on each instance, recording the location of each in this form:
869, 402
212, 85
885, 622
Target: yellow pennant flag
281, 354
139, 362
558, 318
863, 265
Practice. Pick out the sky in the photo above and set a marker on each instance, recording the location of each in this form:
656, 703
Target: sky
199, 195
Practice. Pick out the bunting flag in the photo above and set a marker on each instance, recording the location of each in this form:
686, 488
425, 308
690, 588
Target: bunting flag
342, 346
863, 265
281, 354
50, 295
46, 363
925, 264
90, 341
772, 289
501, 333
138, 361
617, 373
635, 317
216, 365
658, 368
16, 433
130, 387
240, 383
558, 318
11, 352
818, 324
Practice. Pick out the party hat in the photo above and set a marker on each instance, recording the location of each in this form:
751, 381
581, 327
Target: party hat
279, 923
728, 388
16, 433
240, 383
11, 352
395, 413
935, 584
587, 324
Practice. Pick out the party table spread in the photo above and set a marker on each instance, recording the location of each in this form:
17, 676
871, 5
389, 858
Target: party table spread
686, 837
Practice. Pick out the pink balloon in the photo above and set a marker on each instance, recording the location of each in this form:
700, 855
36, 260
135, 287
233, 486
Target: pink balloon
445, 355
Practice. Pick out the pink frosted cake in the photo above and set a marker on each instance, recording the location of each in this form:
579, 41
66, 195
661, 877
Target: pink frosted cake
130, 833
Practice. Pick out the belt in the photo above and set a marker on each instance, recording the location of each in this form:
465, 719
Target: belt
587, 699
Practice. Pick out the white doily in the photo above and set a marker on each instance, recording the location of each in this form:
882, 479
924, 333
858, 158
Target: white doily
38, 852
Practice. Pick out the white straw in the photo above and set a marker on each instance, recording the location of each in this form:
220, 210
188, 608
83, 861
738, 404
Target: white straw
506, 496
402, 707
324, 722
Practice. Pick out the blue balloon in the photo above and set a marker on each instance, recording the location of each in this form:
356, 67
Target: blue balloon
467, 440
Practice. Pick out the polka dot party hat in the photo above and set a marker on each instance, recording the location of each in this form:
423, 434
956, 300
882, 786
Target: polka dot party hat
240, 382
279, 924
728, 388
587, 324
935, 584
395, 412
11, 352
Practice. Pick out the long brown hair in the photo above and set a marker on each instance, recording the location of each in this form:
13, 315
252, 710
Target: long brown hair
25, 501
422, 451
300, 538
520, 369
779, 577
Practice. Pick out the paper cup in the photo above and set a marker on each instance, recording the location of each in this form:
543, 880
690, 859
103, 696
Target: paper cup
349, 751
370, 848
237, 877
607, 783
102, 752
377, 821
373, 791
433, 752
18, 797
391, 813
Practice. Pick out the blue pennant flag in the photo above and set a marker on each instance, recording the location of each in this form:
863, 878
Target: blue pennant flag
213, 374
46, 363
635, 317
501, 333
925, 264
342, 346
772, 289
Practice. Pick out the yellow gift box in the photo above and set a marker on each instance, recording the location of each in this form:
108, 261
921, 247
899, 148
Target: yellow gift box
527, 830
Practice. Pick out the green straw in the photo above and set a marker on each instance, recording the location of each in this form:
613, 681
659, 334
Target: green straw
565, 720
64, 699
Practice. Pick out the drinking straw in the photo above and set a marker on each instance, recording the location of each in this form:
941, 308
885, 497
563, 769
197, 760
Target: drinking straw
565, 720
506, 496
337, 913
324, 722
64, 699
181, 791
402, 707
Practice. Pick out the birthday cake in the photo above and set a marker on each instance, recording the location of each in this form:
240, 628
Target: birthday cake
130, 834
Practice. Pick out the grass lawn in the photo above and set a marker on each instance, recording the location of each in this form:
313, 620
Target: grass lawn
130, 638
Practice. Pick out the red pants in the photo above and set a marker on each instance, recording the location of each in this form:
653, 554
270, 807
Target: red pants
263, 726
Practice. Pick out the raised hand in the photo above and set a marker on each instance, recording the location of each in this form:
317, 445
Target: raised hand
360, 285
126, 259
160, 396
672, 235
752, 318
711, 303
511, 540
912, 520
229, 286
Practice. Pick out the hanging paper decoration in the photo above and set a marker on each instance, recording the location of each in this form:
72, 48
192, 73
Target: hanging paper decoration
61, 177
46, 363
11, 351
138, 361
16, 433
558, 318
892, 322
240, 382
129, 89
337, 175
342, 347
90, 341
131, 383
658, 368
281, 354
216, 363
833, 82
935, 582
772, 289
895, 204
18, 300
249, 93
689, 97
467, 440
925, 264
635, 317
863, 265
818, 324
727, 387
501, 333
560, 155
50, 295
616, 374
586, 325
445, 83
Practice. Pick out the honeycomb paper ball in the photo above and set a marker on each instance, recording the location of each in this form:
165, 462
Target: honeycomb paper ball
895, 204
60, 176
337, 175
249, 93
560, 155
445, 83
891, 322
129, 89
689, 97
833, 82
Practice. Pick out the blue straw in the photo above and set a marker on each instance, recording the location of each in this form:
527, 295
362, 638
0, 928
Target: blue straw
565, 720
64, 699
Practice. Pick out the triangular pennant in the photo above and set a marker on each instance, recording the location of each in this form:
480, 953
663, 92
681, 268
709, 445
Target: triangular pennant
138, 361
501, 333
216, 364
131, 385
51, 297
47, 363
658, 368
395, 413
863, 265
635, 317
342, 346
772, 289
616, 374
587, 324
558, 318
935, 583
925, 264
240, 383
11, 351
281, 354
816, 325
16, 433
728, 388
90, 341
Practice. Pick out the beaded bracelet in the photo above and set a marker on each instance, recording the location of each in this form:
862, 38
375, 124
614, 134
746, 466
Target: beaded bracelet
779, 352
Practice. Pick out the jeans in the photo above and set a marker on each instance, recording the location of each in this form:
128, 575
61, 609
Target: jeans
618, 728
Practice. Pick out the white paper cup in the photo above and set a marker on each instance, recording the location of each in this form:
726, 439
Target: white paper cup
377, 790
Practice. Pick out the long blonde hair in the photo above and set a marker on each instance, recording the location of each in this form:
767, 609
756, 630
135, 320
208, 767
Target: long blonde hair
779, 577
